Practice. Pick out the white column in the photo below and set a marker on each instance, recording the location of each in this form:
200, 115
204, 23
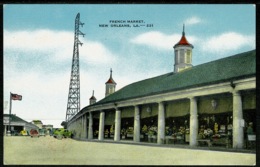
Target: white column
76, 128
90, 126
238, 122
161, 123
137, 124
82, 127
117, 125
101, 125
193, 121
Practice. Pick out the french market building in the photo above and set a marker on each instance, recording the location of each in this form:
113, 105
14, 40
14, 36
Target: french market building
215, 101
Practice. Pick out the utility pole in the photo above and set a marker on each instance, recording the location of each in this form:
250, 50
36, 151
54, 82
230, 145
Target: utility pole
73, 105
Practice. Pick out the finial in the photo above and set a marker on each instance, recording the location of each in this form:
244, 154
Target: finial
93, 93
111, 72
183, 31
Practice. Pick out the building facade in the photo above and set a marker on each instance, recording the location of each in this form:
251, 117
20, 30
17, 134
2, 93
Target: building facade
38, 123
17, 124
213, 102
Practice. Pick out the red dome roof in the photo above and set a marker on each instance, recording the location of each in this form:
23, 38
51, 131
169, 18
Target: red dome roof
110, 80
92, 98
183, 40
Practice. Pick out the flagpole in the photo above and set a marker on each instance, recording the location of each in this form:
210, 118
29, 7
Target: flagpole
10, 110
12, 97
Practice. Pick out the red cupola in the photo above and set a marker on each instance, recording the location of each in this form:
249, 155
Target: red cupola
183, 54
110, 80
183, 41
110, 85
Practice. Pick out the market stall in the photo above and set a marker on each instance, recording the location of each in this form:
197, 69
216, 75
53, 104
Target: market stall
127, 123
177, 122
95, 126
149, 129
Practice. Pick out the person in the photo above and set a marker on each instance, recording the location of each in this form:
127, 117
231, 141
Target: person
249, 130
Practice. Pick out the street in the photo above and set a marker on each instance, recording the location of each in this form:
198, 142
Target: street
50, 151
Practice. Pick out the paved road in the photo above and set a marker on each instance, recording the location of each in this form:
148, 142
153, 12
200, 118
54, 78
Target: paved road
48, 151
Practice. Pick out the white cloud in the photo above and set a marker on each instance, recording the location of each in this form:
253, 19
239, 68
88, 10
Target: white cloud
158, 40
193, 20
39, 40
228, 41
45, 94
58, 45
96, 52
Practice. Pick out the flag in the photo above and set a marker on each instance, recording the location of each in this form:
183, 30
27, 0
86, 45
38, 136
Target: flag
16, 97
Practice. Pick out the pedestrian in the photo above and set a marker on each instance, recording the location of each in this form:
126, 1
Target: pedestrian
249, 130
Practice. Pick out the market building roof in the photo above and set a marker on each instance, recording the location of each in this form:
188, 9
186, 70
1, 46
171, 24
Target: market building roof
239, 66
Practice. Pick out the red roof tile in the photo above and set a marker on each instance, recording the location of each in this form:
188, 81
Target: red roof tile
183, 41
110, 80
92, 98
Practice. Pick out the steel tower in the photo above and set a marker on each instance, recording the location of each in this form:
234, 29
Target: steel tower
73, 105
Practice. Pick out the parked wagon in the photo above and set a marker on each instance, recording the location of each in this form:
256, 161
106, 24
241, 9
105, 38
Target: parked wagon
34, 133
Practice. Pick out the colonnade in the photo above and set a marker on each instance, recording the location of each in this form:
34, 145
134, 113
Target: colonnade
238, 132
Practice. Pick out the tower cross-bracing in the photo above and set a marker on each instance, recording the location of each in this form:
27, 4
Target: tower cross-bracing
73, 105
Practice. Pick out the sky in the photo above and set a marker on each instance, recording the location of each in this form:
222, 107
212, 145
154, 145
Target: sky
39, 39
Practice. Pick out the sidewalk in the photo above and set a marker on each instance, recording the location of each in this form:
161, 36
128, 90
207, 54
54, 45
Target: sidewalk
182, 146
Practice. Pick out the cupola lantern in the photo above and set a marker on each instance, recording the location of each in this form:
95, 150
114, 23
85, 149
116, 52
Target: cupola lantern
183, 53
110, 85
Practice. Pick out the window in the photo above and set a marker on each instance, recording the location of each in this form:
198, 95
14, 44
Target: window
182, 56
188, 57
176, 56
110, 89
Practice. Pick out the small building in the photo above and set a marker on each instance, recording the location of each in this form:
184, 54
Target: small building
37, 123
47, 128
17, 124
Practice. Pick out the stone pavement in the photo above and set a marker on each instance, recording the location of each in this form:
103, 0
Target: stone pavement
50, 151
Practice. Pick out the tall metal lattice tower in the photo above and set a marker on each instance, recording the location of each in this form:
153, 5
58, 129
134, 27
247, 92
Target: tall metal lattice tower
73, 105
